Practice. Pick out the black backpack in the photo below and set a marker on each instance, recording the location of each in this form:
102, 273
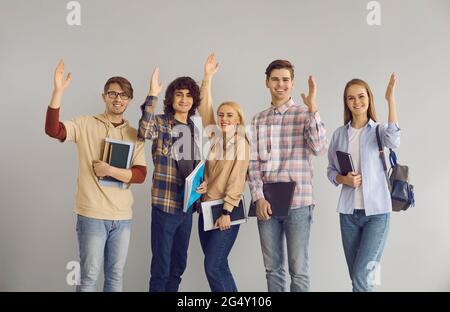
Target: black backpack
402, 192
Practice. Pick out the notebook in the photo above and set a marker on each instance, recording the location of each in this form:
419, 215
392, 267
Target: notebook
212, 210
345, 162
279, 195
118, 154
192, 182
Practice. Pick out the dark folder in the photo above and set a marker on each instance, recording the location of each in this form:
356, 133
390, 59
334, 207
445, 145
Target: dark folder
345, 162
117, 153
238, 212
279, 195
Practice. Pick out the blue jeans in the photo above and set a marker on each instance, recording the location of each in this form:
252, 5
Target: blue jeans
293, 229
363, 238
102, 241
170, 242
216, 246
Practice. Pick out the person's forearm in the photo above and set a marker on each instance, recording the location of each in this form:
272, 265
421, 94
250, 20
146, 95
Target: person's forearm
392, 118
315, 134
150, 103
147, 127
205, 108
53, 127
120, 174
55, 102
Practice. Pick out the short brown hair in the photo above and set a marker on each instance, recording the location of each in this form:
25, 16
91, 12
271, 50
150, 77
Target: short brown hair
124, 84
371, 114
279, 64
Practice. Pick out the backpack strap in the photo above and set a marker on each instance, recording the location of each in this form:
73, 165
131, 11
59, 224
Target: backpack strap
380, 148
392, 158
383, 160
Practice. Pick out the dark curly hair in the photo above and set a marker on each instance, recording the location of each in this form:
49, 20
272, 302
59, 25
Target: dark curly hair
179, 84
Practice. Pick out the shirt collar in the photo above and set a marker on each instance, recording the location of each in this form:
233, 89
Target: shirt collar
371, 123
283, 108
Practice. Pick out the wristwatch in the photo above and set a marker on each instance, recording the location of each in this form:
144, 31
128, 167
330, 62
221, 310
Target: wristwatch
226, 212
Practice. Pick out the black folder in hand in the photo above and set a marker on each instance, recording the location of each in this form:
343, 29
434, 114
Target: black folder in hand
279, 195
345, 162
238, 212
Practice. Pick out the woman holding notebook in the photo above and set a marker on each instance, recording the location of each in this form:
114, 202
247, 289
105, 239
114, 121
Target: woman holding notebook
365, 204
225, 173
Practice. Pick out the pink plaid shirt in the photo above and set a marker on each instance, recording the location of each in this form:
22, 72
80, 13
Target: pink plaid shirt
282, 144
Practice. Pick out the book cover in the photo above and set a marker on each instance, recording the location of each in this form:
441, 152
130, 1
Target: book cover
118, 154
212, 210
192, 182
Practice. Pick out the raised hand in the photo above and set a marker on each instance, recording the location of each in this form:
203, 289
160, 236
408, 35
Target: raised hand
310, 100
59, 82
155, 85
211, 65
390, 97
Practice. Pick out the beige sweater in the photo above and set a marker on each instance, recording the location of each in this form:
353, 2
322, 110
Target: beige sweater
226, 171
93, 200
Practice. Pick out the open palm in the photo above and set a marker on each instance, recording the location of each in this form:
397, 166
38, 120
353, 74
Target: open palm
61, 83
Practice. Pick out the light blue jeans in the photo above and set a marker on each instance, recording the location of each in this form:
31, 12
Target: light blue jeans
102, 241
276, 234
363, 238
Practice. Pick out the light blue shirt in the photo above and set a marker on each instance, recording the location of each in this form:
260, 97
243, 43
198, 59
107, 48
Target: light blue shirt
377, 199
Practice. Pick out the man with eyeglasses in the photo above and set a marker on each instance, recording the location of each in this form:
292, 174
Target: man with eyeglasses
104, 213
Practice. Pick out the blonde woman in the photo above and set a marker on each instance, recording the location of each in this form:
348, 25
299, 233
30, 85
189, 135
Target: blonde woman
225, 174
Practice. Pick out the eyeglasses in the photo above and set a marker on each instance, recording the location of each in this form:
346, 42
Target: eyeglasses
114, 95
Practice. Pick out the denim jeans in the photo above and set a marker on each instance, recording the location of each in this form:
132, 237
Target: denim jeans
216, 246
363, 238
170, 242
102, 241
293, 229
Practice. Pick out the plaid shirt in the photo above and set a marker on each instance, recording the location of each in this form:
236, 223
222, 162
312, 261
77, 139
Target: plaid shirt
283, 142
167, 184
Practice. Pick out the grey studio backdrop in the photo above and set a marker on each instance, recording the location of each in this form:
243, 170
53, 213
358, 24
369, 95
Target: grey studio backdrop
329, 39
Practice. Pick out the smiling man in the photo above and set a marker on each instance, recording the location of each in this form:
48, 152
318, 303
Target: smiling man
286, 136
170, 226
103, 213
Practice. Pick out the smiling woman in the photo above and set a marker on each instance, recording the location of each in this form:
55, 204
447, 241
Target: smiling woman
358, 100
364, 204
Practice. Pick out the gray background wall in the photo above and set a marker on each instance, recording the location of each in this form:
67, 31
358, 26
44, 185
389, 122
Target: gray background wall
329, 39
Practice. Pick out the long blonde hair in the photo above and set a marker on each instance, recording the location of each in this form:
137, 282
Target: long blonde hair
370, 111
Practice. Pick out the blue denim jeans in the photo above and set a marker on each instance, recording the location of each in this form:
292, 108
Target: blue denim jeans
170, 242
291, 231
363, 238
216, 246
102, 241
